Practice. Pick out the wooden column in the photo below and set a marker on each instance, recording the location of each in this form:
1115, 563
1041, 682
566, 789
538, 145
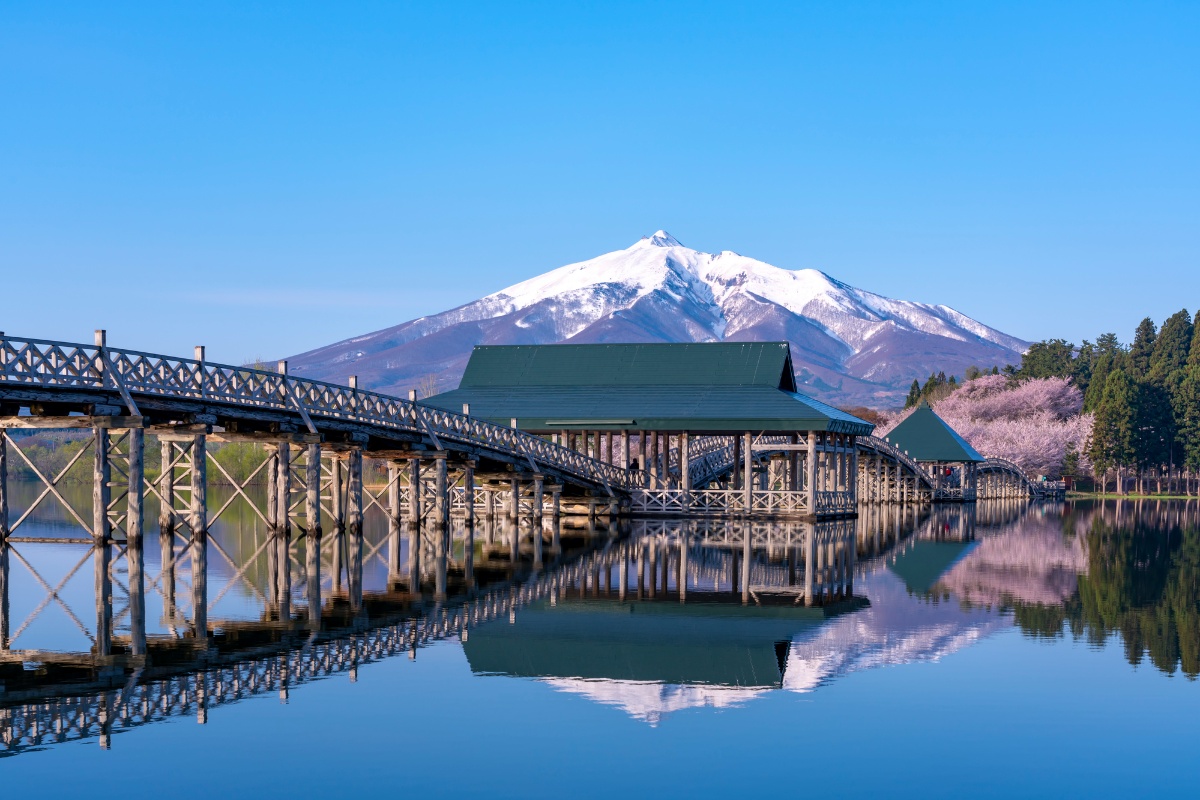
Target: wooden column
645, 459
414, 491
747, 471
354, 526
283, 488
101, 490
625, 449
5, 630
395, 522
514, 500
685, 467
469, 522
810, 469
608, 447
134, 552
655, 483
735, 475
853, 470
312, 492
441, 526
538, 490
3, 497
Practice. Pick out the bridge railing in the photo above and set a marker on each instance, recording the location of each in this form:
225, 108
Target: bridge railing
68, 365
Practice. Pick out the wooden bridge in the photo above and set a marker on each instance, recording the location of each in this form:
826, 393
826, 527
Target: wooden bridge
317, 434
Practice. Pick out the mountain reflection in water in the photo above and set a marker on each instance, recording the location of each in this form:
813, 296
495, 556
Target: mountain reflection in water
652, 618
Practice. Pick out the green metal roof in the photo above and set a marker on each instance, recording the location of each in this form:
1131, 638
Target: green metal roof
703, 388
926, 437
766, 364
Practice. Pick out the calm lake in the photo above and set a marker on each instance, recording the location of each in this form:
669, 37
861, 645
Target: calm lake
1002, 650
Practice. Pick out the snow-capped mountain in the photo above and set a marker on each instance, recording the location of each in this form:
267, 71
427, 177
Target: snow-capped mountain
848, 345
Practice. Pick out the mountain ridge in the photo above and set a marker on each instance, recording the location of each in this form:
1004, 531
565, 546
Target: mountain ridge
850, 346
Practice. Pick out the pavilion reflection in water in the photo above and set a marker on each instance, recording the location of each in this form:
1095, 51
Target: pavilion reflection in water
660, 616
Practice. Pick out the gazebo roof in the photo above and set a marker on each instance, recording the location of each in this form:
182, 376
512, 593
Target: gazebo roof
926, 437
710, 387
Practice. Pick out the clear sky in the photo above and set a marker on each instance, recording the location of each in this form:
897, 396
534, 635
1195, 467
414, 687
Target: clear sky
265, 178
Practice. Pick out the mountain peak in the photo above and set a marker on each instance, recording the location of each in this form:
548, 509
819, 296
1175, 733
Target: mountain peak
661, 239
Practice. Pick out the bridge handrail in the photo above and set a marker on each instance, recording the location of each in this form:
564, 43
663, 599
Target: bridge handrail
46, 362
887, 448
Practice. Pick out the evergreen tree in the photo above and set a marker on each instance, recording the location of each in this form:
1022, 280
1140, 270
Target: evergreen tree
1085, 359
1113, 434
1108, 354
1193, 359
914, 394
1171, 349
1189, 420
1053, 358
1167, 365
1154, 425
1142, 349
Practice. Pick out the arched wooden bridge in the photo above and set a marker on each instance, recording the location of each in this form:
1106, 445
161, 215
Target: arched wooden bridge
319, 433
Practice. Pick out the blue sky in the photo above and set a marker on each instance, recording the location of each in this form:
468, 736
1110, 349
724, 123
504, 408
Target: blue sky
265, 178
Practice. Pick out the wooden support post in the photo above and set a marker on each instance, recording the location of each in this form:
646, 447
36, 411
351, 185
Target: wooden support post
608, 447
810, 468
469, 523
354, 526
625, 449
134, 553
283, 488
199, 471
685, 467
101, 489
853, 471
441, 525
514, 500
644, 444
652, 461
312, 493
3, 496
747, 472
199, 521
395, 522
414, 491
5, 631
735, 473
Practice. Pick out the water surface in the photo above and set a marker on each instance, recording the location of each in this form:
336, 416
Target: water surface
1033, 650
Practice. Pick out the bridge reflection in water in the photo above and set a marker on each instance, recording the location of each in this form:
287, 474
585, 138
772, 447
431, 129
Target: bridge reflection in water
691, 612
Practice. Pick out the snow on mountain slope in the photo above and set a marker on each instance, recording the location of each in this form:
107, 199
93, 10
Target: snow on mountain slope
849, 345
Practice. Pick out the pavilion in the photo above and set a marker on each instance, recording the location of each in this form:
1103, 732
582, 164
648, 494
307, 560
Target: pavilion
937, 447
642, 406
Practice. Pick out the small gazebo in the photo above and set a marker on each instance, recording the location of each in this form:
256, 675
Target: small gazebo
947, 457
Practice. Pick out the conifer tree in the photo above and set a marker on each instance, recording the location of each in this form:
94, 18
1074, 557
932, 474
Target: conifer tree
1193, 359
1114, 429
1189, 420
1142, 349
914, 394
1108, 355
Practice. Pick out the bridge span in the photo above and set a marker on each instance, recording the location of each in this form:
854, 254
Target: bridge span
439, 462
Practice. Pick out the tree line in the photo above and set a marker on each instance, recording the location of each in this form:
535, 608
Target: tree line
1145, 397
